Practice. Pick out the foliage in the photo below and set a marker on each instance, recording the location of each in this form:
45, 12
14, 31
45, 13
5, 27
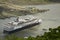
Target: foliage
53, 34
13, 37
24, 2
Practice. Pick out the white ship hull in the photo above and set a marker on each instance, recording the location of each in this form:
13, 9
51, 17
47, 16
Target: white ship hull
22, 26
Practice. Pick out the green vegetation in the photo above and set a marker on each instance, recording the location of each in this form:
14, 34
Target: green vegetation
28, 2
53, 34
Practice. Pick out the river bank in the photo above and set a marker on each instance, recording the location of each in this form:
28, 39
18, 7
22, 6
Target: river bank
10, 10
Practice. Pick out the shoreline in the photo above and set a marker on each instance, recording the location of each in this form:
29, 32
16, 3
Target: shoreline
3, 17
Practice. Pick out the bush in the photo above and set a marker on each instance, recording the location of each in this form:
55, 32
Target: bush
53, 34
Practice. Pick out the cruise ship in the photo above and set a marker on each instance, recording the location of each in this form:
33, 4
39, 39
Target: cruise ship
22, 22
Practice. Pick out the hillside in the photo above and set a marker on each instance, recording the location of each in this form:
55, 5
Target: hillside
25, 2
29, 2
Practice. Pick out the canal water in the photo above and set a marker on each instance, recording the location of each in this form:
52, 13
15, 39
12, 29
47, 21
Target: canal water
50, 19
